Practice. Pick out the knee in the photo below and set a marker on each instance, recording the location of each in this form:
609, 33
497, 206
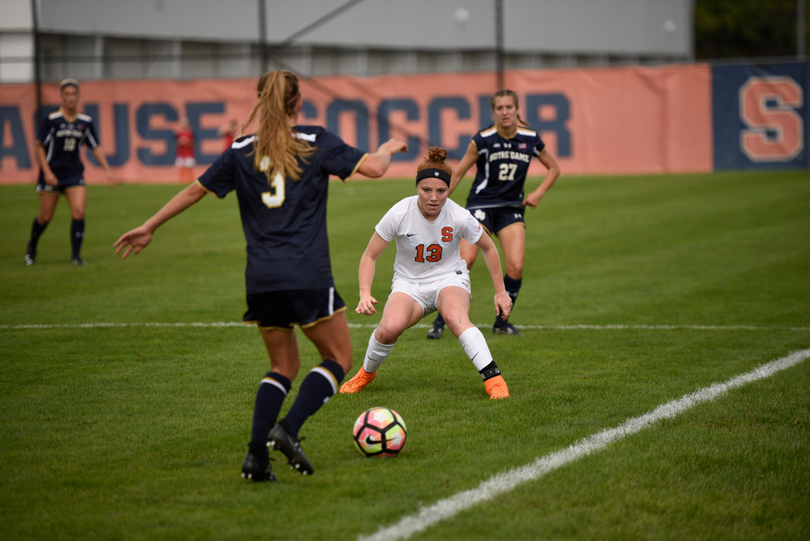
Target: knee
288, 370
386, 334
457, 322
515, 269
44, 217
77, 213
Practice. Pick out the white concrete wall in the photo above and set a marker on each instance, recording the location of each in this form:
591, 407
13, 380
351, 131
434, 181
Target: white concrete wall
586, 26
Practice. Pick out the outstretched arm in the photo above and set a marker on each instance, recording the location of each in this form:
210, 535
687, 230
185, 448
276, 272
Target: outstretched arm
375, 165
98, 152
140, 237
533, 199
470, 157
503, 303
368, 264
42, 158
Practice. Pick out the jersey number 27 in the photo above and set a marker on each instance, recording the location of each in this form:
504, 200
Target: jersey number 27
507, 171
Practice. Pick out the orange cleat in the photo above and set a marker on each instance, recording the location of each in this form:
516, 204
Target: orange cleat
496, 388
358, 382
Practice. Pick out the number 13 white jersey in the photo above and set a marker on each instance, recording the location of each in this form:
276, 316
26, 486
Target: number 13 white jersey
427, 250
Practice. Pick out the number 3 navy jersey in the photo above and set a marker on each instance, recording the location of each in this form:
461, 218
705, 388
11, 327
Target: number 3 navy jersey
63, 140
502, 167
284, 220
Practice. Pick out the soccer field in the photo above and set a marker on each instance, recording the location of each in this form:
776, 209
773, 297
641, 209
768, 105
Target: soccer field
128, 387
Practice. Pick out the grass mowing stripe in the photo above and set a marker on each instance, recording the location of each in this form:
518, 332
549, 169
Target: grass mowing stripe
504, 482
419, 325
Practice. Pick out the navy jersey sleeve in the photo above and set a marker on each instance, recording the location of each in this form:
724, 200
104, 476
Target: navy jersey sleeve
90, 136
44, 130
220, 178
478, 141
338, 158
539, 146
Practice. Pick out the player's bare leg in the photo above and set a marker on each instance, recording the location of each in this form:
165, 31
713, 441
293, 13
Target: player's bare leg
282, 346
513, 243
331, 337
400, 313
47, 206
469, 253
77, 198
455, 303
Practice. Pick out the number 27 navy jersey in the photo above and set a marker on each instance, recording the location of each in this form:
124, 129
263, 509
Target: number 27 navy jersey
502, 167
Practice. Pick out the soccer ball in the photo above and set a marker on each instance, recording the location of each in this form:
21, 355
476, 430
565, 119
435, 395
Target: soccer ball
380, 432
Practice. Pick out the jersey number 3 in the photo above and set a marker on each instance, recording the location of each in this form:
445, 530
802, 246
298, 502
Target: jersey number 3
275, 198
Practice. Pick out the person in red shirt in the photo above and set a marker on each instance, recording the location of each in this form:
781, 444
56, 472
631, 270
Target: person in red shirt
185, 161
228, 133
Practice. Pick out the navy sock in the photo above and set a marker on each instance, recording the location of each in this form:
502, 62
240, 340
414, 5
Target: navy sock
36, 230
76, 237
317, 388
269, 399
439, 320
512, 289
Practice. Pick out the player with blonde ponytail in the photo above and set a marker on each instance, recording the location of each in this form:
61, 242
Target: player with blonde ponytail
281, 177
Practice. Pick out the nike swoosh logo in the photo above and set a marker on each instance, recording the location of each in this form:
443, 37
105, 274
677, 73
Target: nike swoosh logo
369, 441
410, 234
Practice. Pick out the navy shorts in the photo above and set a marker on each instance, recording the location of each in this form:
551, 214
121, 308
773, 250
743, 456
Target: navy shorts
285, 309
64, 183
496, 218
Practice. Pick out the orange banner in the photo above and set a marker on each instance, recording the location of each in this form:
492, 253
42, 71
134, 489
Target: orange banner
594, 121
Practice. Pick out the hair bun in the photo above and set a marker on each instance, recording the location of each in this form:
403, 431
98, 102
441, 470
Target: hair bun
437, 154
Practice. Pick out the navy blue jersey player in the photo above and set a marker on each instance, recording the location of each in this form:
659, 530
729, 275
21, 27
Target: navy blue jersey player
502, 154
281, 178
59, 140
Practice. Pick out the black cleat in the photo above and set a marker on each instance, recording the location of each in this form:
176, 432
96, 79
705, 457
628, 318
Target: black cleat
506, 328
280, 440
436, 331
78, 262
30, 255
257, 470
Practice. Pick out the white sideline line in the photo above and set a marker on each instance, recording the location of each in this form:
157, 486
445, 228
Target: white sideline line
506, 481
420, 325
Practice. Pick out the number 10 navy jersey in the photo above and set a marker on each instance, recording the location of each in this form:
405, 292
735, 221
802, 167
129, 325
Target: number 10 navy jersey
502, 167
63, 140
284, 220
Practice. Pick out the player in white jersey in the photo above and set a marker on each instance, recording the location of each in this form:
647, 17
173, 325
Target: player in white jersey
429, 274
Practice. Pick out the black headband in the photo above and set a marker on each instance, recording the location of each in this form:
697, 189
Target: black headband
433, 172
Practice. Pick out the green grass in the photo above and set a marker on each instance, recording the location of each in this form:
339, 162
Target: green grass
137, 432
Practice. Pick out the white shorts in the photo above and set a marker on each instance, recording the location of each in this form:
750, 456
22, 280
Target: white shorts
185, 162
426, 294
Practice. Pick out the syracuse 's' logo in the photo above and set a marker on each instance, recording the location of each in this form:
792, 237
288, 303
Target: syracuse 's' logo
775, 131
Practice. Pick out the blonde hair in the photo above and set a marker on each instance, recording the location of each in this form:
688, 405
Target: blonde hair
435, 159
276, 149
504, 93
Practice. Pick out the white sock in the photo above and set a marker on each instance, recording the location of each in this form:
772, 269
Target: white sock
476, 348
376, 354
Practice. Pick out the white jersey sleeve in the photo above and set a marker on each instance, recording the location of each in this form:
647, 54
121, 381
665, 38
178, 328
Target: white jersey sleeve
428, 250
